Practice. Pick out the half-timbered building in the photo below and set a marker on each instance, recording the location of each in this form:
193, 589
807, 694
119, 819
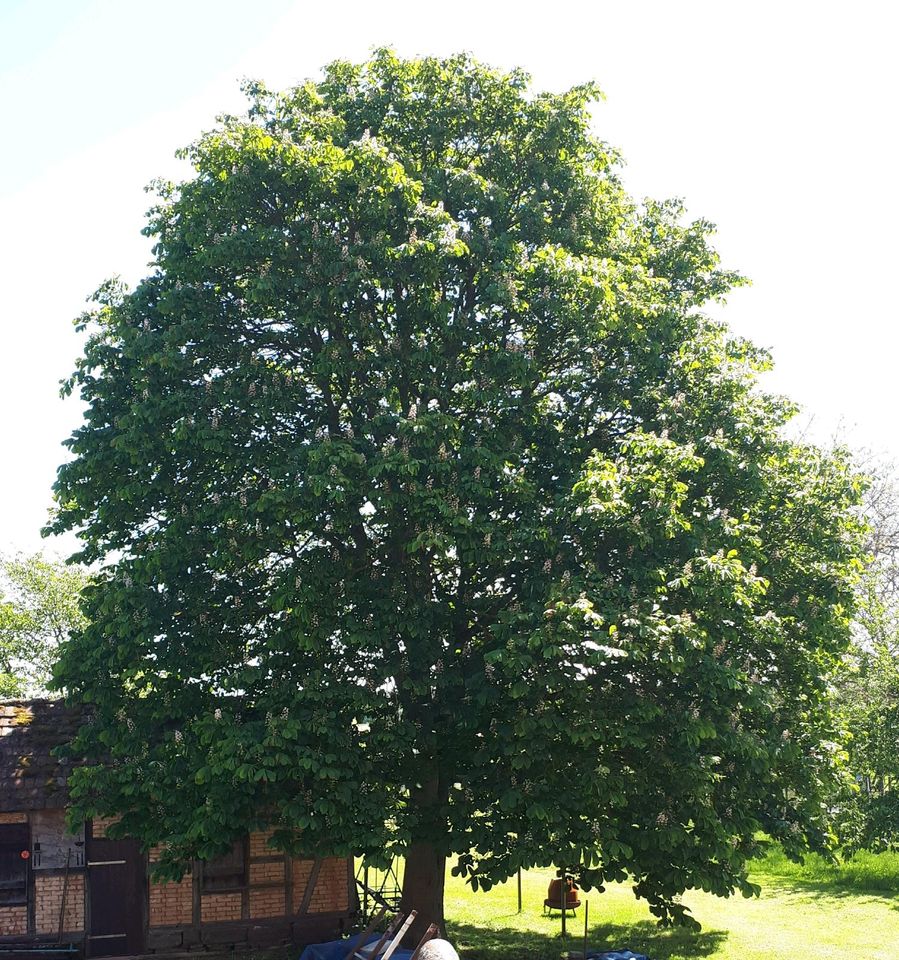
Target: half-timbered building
86, 889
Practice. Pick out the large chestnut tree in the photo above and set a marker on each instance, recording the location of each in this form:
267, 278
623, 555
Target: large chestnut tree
432, 516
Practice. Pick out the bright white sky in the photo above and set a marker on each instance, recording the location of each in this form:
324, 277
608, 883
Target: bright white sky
777, 121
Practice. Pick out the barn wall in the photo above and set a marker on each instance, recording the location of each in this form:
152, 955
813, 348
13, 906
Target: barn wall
100, 826
170, 904
13, 919
275, 904
48, 894
40, 917
331, 891
282, 900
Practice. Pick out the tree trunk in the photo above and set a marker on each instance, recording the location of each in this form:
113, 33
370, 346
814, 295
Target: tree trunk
423, 881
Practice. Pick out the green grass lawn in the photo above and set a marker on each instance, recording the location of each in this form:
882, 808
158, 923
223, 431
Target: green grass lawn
815, 912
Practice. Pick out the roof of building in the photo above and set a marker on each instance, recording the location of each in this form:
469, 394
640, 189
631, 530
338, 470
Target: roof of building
31, 777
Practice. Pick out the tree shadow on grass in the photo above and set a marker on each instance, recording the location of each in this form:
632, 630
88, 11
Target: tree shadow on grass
644, 936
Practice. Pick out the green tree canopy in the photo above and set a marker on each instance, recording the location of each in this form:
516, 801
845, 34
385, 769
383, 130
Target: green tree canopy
867, 694
38, 609
434, 516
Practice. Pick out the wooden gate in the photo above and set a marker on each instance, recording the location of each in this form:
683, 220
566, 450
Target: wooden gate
116, 897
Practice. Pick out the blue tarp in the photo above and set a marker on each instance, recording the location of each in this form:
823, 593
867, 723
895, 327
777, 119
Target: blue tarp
338, 949
617, 955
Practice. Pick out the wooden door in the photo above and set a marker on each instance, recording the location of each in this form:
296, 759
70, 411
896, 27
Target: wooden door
116, 877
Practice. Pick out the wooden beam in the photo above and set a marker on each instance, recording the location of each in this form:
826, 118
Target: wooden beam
432, 931
310, 887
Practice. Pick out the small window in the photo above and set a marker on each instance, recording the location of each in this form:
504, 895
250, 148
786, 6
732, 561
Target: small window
14, 842
228, 872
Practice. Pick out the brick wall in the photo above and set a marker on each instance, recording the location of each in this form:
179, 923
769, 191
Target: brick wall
268, 893
263, 873
48, 901
100, 825
301, 871
267, 902
13, 921
259, 844
216, 907
172, 904
330, 893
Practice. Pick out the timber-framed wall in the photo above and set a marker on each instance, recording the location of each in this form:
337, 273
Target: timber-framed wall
96, 892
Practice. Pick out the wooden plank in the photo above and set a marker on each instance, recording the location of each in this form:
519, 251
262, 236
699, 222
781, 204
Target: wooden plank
398, 937
429, 933
359, 941
376, 949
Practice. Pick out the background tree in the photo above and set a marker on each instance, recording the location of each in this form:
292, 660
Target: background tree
867, 693
434, 517
38, 610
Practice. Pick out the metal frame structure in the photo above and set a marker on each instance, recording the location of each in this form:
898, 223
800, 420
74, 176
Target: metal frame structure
378, 889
